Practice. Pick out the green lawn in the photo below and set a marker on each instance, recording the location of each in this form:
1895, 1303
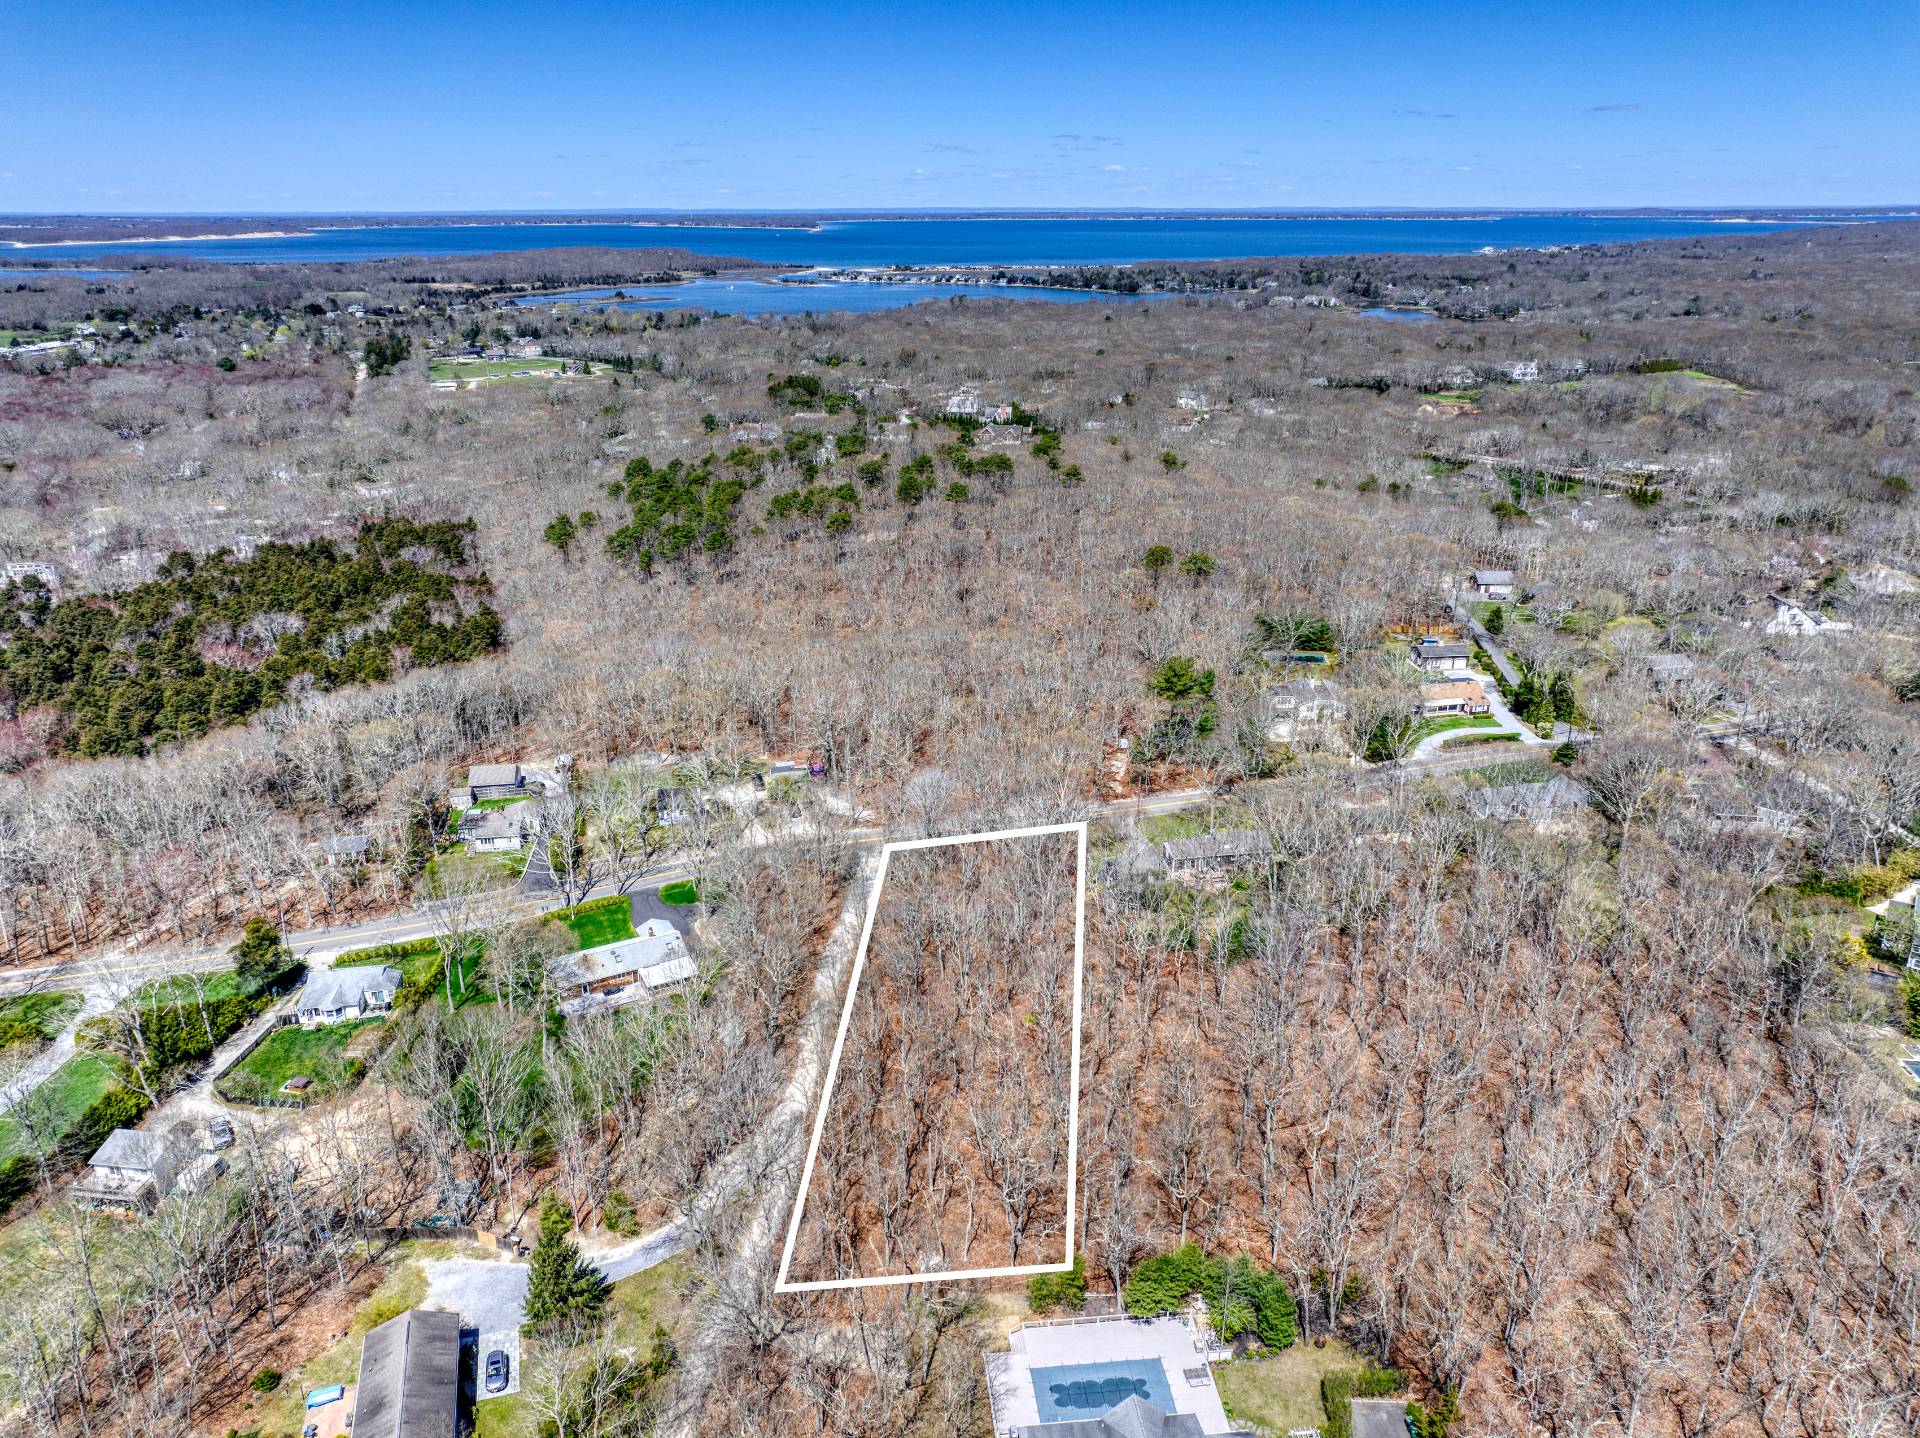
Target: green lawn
1516, 613
1282, 1393
318, 1053
75, 1085
45, 1012
608, 925
1454, 396
412, 966
680, 893
183, 988
472, 369
1441, 724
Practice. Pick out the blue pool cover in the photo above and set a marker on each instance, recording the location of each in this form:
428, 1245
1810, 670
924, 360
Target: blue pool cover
1086, 1390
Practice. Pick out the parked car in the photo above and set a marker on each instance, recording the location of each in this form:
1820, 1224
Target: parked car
496, 1371
219, 1133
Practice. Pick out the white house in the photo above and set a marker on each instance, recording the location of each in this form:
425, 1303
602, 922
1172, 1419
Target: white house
1435, 656
338, 996
1304, 705
132, 1171
1524, 371
1791, 617
964, 403
1492, 583
653, 962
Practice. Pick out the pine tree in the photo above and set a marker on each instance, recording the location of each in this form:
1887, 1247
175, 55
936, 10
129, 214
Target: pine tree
561, 1284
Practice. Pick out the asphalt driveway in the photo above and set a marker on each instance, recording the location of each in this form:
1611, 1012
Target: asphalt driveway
490, 1295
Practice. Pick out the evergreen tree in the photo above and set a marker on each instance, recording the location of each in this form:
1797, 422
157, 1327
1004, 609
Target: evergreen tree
561, 1283
1497, 619
261, 956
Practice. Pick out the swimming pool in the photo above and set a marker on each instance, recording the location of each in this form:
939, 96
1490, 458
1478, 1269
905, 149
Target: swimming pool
1082, 1390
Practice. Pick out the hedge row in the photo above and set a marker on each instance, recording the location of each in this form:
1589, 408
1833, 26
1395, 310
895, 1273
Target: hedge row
1339, 1388
386, 953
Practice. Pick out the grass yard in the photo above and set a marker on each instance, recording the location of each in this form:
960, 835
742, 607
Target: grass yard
1516, 613
1282, 1393
467, 370
189, 988
74, 1086
594, 927
413, 967
680, 893
405, 1285
1466, 741
1454, 396
45, 1012
1444, 723
456, 866
318, 1053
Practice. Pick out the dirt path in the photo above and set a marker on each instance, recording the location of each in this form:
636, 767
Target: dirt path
771, 1159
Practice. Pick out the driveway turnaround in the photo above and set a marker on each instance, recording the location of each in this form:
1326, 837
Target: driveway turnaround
490, 1295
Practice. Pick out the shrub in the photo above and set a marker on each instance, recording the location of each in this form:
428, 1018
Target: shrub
1240, 1295
1047, 1291
266, 1380
1339, 1388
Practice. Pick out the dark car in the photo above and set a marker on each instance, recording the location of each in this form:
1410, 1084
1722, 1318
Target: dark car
496, 1371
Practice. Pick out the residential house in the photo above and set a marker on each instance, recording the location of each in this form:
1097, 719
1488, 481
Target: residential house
1118, 1377
1215, 856
653, 963
1492, 583
48, 576
1001, 413
1304, 707
1524, 371
1726, 806
1666, 670
677, 806
344, 849
525, 348
965, 403
341, 995
1193, 398
496, 781
1138, 862
1540, 803
1435, 656
1792, 617
499, 831
755, 433
410, 1377
132, 1171
1454, 696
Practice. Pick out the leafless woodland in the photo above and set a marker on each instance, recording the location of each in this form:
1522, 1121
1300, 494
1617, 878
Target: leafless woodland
1584, 1113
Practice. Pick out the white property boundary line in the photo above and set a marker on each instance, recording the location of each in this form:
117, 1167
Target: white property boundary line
781, 1283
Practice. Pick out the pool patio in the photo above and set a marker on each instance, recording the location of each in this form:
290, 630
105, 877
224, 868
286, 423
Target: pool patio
1159, 1358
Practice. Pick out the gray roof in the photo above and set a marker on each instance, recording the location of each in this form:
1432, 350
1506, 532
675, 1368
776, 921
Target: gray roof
1558, 795
1493, 576
345, 845
1227, 844
130, 1148
348, 987
494, 823
1132, 1418
1424, 649
410, 1377
487, 776
656, 955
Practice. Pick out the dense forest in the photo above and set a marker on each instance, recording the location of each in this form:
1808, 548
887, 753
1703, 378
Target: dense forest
213, 640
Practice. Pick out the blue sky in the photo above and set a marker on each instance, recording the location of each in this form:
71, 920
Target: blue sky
584, 104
